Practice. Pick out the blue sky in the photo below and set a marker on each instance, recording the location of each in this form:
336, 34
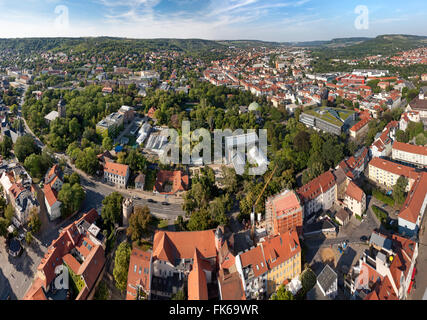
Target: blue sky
272, 20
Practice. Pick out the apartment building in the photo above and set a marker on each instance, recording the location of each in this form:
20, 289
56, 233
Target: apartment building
360, 128
413, 210
111, 125
386, 173
180, 257
407, 117
267, 266
117, 174
385, 270
52, 185
319, 194
404, 152
80, 247
355, 165
283, 257
139, 275
284, 212
355, 199
383, 143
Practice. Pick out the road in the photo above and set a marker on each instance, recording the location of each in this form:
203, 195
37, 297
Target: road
97, 190
351, 232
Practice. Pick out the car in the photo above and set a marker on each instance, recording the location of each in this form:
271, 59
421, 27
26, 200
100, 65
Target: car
151, 201
21, 237
165, 203
384, 206
364, 238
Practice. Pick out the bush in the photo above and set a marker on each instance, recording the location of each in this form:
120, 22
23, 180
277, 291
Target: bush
381, 215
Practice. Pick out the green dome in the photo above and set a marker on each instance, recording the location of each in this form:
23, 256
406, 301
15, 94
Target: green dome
254, 106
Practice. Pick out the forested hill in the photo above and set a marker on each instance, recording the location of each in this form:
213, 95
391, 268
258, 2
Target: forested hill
31, 45
384, 45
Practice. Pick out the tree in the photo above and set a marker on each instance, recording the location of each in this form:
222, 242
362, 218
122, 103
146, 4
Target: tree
399, 190
308, 280
34, 222
37, 164
107, 143
112, 209
229, 179
139, 223
136, 161
302, 142
87, 161
3, 227
402, 136
29, 237
199, 221
421, 139
24, 147
6, 146
121, 265
283, 294
72, 197
9, 213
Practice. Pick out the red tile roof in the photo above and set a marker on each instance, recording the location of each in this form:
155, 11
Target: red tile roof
179, 181
168, 246
413, 204
255, 259
139, 272
116, 168
197, 282
393, 167
317, 186
354, 192
50, 194
231, 286
59, 252
361, 124
280, 248
410, 148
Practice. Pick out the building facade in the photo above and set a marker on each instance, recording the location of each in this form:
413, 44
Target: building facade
415, 155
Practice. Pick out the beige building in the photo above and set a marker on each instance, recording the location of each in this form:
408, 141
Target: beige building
355, 199
386, 173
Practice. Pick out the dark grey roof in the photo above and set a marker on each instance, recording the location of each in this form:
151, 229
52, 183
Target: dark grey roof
318, 226
380, 241
327, 278
342, 215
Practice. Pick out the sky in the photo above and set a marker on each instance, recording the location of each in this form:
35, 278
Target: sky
268, 20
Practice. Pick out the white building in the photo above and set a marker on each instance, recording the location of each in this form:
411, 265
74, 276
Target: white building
409, 153
117, 174
328, 282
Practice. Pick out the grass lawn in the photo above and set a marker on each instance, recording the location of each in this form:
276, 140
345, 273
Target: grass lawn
343, 114
163, 224
383, 198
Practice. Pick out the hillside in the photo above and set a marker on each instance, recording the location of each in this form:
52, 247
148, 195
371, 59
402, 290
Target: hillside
381, 45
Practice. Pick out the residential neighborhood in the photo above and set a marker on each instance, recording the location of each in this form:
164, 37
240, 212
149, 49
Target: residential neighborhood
174, 169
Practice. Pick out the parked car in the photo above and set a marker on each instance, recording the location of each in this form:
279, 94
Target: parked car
165, 203
384, 206
364, 238
151, 201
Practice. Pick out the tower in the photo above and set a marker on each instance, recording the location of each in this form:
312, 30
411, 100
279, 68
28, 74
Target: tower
127, 211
